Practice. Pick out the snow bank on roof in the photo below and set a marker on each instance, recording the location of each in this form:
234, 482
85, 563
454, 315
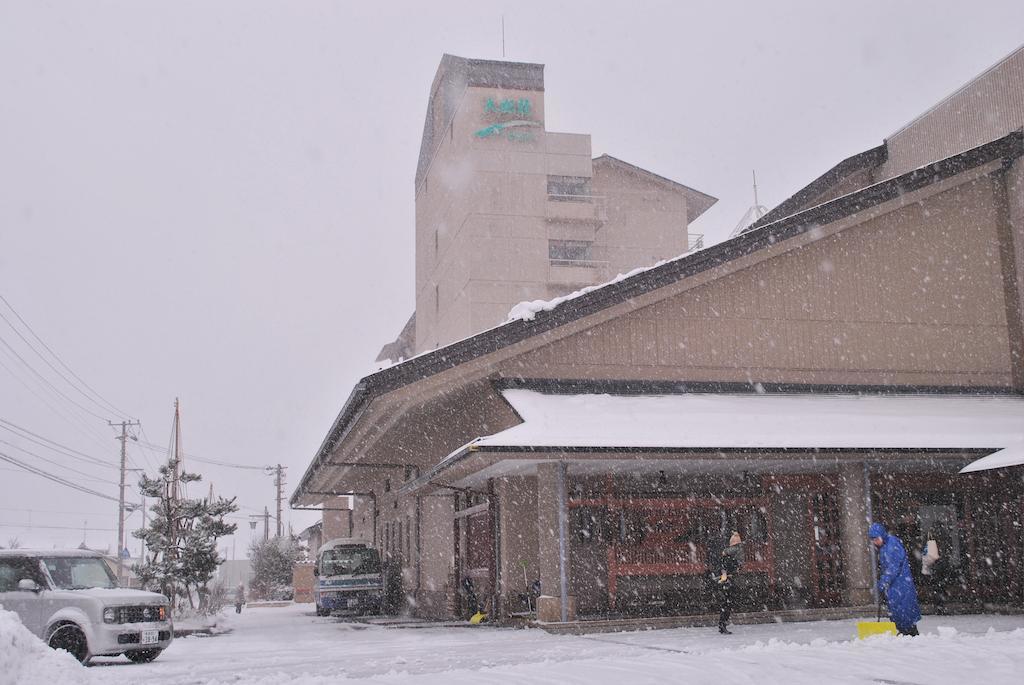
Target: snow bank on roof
527, 310
26, 660
763, 421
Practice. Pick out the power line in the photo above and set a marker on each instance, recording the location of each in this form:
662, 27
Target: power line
49, 364
59, 360
74, 421
24, 433
156, 448
33, 525
47, 382
51, 511
55, 463
55, 479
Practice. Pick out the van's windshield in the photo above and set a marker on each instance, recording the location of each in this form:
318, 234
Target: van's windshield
79, 573
339, 561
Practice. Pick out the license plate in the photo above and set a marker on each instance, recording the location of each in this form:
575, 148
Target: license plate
150, 637
353, 603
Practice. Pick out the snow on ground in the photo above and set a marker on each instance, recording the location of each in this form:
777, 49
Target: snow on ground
26, 660
290, 645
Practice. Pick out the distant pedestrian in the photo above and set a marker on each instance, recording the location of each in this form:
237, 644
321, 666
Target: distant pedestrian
239, 598
729, 564
895, 581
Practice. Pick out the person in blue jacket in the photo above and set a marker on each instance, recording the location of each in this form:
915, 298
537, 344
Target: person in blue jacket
895, 580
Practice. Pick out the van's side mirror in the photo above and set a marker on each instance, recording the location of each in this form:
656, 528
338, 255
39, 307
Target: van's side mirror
316, 570
28, 585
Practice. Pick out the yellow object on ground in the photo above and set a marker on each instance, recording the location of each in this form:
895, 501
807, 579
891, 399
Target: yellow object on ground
869, 628
478, 617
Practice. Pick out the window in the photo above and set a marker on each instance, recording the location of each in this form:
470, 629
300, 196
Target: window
561, 252
569, 188
13, 570
349, 560
74, 573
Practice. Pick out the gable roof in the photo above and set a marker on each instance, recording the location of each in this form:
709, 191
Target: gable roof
869, 159
700, 202
441, 359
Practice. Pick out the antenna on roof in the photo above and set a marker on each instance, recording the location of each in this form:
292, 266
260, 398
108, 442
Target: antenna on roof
503, 36
756, 211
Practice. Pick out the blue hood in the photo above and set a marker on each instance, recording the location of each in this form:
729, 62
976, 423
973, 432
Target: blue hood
877, 530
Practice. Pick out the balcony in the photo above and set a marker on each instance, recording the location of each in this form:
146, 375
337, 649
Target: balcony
585, 263
565, 207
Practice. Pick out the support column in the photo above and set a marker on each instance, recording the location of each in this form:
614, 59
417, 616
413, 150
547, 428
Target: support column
435, 597
556, 603
854, 522
337, 518
517, 558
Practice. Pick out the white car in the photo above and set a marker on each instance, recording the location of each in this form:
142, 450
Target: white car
71, 600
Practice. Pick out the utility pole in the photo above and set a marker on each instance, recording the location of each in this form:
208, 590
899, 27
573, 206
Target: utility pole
120, 502
266, 524
279, 482
142, 541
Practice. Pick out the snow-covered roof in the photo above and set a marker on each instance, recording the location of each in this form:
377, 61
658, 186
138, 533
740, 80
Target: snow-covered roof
785, 421
535, 318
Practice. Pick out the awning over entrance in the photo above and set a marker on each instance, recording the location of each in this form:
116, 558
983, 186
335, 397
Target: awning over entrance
762, 421
620, 427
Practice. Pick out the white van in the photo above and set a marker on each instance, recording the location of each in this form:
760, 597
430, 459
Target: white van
71, 600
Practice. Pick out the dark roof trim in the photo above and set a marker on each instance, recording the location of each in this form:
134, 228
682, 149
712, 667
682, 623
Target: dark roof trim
492, 340
557, 386
609, 449
489, 73
354, 405
869, 159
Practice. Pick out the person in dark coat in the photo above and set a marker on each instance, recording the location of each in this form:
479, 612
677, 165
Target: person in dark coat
730, 561
895, 580
239, 598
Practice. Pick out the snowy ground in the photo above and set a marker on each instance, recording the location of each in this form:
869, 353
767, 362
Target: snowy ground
270, 646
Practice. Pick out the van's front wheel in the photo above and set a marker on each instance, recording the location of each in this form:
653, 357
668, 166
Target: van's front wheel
71, 639
321, 611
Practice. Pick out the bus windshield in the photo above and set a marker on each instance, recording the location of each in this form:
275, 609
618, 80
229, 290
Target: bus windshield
349, 561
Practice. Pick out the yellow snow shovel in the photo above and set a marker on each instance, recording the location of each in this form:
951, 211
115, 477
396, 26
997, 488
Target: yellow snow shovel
879, 627
476, 618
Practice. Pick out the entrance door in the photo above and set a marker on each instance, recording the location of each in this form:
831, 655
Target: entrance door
996, 556
827, 560
475, 555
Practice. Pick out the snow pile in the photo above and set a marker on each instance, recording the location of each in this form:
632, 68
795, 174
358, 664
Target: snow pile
26, 660
528, 310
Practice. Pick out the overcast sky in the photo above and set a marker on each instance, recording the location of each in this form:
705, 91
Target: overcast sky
213, 200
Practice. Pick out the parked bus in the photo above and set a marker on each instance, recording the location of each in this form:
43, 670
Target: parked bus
348, 578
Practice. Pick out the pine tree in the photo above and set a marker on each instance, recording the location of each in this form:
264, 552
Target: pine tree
181, 539
272, 562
